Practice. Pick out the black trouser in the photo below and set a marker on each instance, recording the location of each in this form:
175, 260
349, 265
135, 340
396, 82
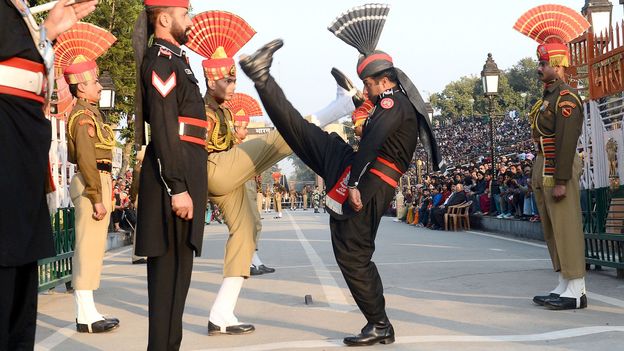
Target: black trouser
168, 280
437, 217
18, 307
353, 239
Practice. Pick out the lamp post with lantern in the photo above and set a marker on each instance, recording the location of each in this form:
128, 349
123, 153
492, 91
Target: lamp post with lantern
107, 97
489, 79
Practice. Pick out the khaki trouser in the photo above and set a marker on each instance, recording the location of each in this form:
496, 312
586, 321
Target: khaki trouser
91, 235
227, 173
278, 203
259, 200
561, 221
305, 201
253, 199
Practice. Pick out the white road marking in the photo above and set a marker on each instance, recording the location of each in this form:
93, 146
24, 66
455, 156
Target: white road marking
56, 338
421, 339
333, 293
604, 299
507, 239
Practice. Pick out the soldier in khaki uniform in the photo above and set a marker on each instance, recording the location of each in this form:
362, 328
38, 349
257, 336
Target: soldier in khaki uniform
89, 142
242, 107
278, 189
556, 124
229, 167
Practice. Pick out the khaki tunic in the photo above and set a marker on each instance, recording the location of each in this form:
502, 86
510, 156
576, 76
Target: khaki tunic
559, 115
229, 169
89, 142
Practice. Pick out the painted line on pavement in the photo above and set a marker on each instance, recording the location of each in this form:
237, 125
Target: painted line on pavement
68, 331
604, 299
549, 336
333, 293
56, 338
507, 239
430, 246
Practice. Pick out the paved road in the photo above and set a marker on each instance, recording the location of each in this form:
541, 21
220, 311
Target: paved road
444, 291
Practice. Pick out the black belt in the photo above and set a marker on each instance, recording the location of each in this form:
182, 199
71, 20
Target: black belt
193, 131
105, 167
386, 171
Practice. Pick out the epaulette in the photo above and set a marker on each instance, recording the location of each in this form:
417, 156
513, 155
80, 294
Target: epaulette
164, 52
74, 116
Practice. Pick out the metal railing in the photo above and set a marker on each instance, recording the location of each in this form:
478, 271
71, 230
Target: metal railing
604, 232
57, 270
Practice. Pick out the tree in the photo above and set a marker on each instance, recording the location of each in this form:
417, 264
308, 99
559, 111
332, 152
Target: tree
118, 17
302, 171
455, 100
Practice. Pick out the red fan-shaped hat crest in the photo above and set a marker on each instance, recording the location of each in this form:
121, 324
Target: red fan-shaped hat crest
77, 49
218, 36
243, 106
552, 24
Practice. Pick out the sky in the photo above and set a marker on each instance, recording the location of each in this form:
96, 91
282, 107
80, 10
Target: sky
434, 42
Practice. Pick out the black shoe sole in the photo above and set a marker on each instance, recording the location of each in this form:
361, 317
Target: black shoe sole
385, 341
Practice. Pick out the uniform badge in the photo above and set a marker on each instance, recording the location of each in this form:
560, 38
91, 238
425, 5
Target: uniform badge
567, 104
386, 103
91, 131
164, 87
566, 112
564, 92
544, 106
164, 52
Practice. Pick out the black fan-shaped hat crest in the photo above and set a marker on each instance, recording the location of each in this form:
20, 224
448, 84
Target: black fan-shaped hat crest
361, 26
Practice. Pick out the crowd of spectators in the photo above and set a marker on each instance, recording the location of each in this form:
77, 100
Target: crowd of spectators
123, 217
464, 145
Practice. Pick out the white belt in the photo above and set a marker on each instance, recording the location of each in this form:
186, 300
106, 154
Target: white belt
22, 79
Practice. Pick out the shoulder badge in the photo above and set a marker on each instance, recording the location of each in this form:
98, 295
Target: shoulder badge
567, 104
164, 52
386, 103
166, 86
564, 92
566, 112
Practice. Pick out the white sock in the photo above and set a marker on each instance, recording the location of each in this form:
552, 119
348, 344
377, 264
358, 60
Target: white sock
86, 313
563, 284
340, 107
255, 260
575, 289
222, 311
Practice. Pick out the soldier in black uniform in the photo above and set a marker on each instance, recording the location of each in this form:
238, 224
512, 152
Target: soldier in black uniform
386, 149
25, 135
172, 193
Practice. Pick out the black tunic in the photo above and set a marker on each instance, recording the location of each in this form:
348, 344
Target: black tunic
171, 166
25, 136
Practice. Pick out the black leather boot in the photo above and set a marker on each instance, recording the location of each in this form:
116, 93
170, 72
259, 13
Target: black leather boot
540, 300
372, 333
102, 326
566, 303
238, 329
345, 83
256, 66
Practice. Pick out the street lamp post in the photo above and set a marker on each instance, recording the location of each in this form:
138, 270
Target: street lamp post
489, 79
524, 101
429, 108
598, 13
107, 98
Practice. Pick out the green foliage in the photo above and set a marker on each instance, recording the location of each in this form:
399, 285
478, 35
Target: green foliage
302, 172
455, 100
